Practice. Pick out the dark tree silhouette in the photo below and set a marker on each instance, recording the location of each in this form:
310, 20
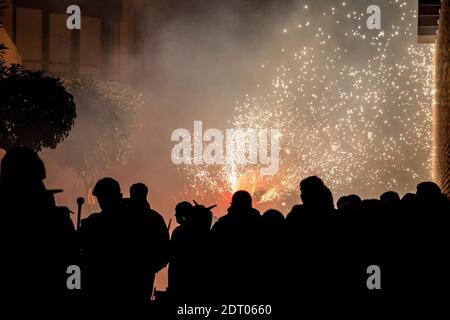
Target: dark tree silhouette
35, 109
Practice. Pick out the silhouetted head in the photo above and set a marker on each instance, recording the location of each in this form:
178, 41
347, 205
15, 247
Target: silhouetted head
314, 193
272, 223
409, 197
409, 201
241, 200
139, 192
21, 165
428, 191
273, 216
390, 196
354, 199
341, 201
107, 191
349, 204
201, 219
183, 210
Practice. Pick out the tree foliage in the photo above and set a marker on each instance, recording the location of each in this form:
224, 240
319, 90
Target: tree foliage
35, 109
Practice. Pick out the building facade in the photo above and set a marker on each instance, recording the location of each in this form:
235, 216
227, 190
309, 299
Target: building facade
434, 27
36, 35
442, 114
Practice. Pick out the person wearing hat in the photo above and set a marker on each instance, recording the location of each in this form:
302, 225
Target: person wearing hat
39, 237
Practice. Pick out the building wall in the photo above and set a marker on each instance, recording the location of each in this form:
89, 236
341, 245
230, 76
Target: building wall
442, 120
36, 34
29, 33
41, 36
111, 45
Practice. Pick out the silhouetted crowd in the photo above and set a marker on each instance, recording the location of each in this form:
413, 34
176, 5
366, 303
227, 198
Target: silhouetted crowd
316, 259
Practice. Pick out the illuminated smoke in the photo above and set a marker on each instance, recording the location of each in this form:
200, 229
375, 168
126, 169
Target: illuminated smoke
353, 106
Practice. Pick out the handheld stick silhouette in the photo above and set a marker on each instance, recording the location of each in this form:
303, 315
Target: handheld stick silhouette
80, 202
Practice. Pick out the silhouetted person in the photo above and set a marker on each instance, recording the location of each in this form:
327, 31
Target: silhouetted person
179, 281
390, 196
430, 198
236, 252
409, 200
316, 197
39, 237
152, 238
189, 266
183, 211
341, 201
389, 218
349, 205
103, 247
312, 241
122, 248
273, 220
429, 239
154, 222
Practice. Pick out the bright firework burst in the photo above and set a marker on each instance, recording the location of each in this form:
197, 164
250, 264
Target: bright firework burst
353, 106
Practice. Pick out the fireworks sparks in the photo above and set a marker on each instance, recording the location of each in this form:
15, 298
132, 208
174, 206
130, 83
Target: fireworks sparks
353, 106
